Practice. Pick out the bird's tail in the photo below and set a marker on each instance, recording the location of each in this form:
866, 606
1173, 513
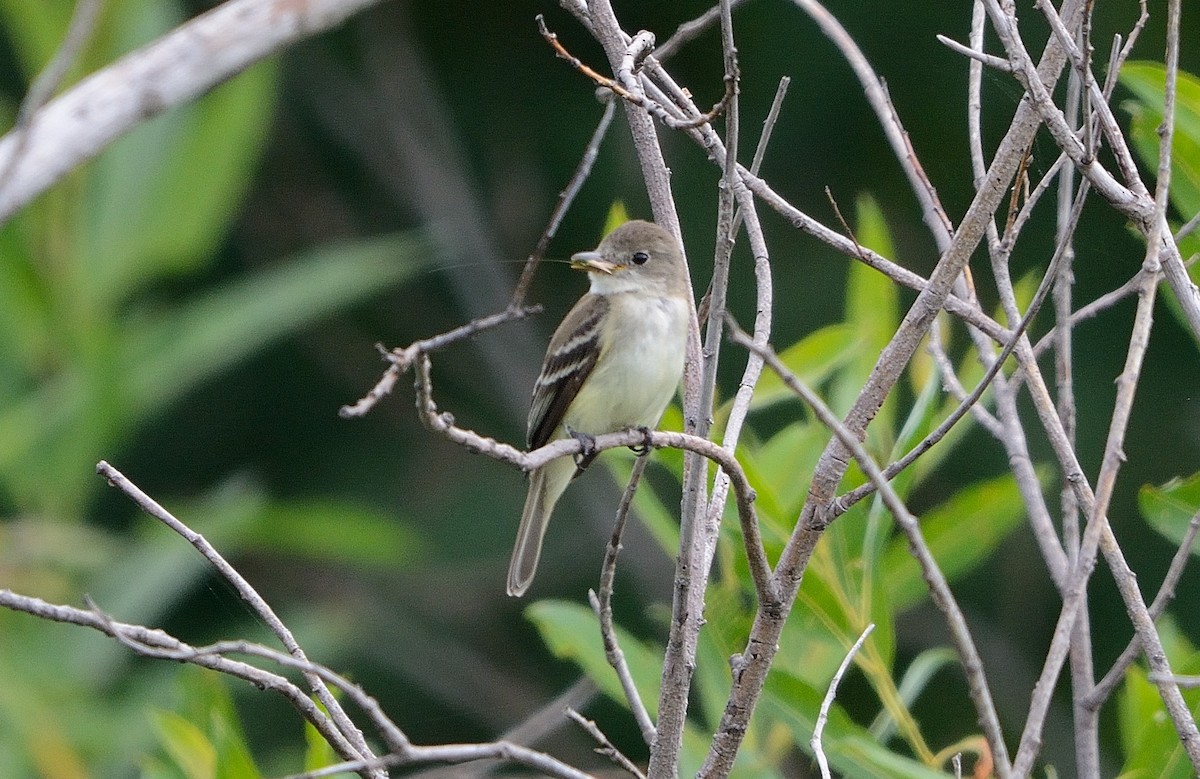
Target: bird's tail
546, 485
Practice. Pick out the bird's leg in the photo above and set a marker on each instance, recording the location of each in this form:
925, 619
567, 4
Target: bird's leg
643, 449
587, 453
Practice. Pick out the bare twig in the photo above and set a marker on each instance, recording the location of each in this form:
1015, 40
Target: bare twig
690, 30
251, 597
151, 639
79, 31
623, 85
176, 68
747, 685
402, 358
565, 198
602, 605
827, 703
991, 60
1166, 593
606, 747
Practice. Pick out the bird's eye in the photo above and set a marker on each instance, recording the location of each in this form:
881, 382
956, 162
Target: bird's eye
639, 258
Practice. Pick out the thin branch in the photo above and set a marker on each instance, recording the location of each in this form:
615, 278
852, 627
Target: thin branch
690, 30
880, 101
602, 605
606, 747
402, 358
827, 703
748, 685
249, 595
158, 639
992, 61
638, 51
1166, 593
79, 31
176, 68
565, 198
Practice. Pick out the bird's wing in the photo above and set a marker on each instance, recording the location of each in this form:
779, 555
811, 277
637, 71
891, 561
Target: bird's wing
570, 358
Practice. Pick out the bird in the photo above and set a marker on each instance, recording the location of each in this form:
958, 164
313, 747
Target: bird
613, 363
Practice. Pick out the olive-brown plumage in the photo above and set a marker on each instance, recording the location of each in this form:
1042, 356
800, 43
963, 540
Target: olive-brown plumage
613, 363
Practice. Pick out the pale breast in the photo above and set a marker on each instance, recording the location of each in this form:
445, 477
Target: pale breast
639, 368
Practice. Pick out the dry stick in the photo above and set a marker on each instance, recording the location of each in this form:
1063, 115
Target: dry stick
1182, 680
174, 69
158, 644
701, 561
565, 198
843, 503
638, 48
1094, 506
148, 638
723, 249
889, 120
605, 747
402, 358
939, 588
834, 461
1162, 193
1094, 308
1130, 198
79, 30
1083, 675
992, 61
967, 310
1188, 227
689, 587
1166, 593
826, 704
392, 736
252, 599
953, 385
602, 605
727, 224
690, 30
1098, 532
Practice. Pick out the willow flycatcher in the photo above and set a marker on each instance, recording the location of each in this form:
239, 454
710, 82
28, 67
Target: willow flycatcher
613, 363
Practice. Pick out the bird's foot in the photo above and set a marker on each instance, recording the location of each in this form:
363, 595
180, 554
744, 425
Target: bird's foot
643, 449
587, 453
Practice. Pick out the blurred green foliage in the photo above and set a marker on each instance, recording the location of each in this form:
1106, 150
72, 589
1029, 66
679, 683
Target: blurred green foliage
99, 341
123, 309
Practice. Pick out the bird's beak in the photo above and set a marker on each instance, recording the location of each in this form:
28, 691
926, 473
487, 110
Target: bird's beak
592, 262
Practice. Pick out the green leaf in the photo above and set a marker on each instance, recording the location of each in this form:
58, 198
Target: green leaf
1149, 739
617, 216
1147, 81
780, 466
813, 359
873, 311
572, 633
317, 751
336, 532
1169, 508
167, 354
852, 751
960, 533
187, 745
916, 678
163, 198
